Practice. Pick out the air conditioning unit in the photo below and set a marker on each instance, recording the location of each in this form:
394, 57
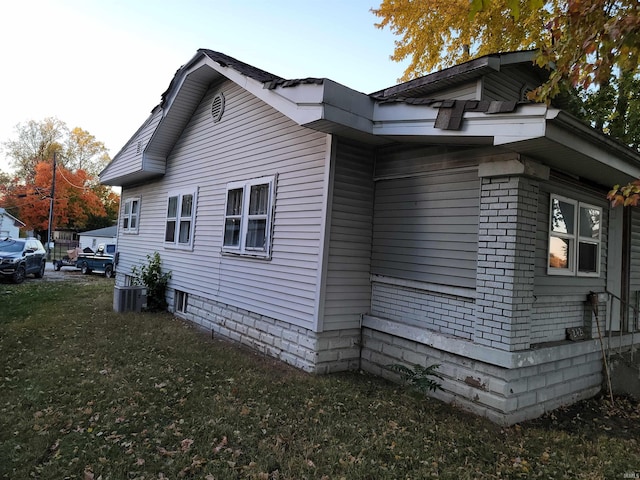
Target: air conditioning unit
129, 299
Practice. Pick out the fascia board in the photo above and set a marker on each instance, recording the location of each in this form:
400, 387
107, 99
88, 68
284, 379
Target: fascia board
105, 172
192, 65
527, 123
302, 103
330, 101
593, 146
403, 112
4, 213
402, 119
346, 107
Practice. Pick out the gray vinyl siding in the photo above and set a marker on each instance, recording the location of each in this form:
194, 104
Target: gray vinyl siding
634, 281
564, 284
252, 140
498, 86
348, 286
426, 228
402, 161
467, 91
129, 160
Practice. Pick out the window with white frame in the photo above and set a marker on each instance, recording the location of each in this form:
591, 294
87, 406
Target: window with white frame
179, 226
181, 301
575, 232
248, 217
131, 215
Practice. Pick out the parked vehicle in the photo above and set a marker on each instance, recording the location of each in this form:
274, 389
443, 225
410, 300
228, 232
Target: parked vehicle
101, 261
69, 260
20, 257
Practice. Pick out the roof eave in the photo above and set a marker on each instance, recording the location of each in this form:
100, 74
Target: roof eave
461, 72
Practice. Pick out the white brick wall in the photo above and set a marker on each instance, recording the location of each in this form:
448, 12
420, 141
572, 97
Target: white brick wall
448, 314
550, 319
506, 261
552, 315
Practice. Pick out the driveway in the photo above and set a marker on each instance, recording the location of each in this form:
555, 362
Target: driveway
65, 273
50, 275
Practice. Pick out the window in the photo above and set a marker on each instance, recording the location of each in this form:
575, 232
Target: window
247, 219
180, 219
574, 238
130, 215
181, 301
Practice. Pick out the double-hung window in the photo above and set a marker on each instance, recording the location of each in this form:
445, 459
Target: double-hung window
248, 216
130, 215
575, 232
179, 226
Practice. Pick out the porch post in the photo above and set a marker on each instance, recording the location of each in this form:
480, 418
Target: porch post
506, 252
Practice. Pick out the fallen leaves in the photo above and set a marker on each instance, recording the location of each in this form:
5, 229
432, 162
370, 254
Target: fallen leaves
185, 445
210, 411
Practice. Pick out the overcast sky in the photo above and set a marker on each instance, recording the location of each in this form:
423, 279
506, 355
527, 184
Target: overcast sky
102, 65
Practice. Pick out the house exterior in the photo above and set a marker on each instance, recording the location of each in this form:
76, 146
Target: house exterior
443, 220
9, 225
94, 238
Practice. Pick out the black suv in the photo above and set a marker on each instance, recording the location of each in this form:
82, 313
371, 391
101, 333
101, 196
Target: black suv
20, 257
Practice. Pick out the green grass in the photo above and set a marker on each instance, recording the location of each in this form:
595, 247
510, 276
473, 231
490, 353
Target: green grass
86, 393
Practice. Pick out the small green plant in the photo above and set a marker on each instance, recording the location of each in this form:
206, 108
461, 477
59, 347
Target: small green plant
420, 378
152, 277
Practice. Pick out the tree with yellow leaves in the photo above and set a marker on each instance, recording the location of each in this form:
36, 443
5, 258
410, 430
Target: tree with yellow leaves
592, 45
589, 46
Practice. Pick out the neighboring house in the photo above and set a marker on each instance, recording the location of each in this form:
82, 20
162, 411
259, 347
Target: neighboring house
9, 225
93, 238
443, 220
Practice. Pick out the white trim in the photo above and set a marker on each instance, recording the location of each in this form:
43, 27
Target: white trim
325, 231
129, 216
589, 240
571, 237
615, 229
180, 301
575, 239
243, 217
180, 194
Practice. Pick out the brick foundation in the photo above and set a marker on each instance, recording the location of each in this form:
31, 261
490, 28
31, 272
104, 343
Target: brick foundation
310, 351
505, 387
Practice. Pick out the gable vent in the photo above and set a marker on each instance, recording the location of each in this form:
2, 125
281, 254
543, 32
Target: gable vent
524, 93
217, 107
139, 148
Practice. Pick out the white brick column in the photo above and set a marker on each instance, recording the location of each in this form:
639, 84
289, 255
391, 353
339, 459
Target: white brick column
506, 253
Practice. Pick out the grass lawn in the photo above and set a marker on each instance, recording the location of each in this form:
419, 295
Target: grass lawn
86, 393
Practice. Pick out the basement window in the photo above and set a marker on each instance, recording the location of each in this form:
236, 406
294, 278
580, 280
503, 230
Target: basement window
181, 301
575, 232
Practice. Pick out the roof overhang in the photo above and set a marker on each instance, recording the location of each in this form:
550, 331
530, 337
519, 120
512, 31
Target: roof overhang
306, 104
545, 134
536, 130
457, 74
16, 222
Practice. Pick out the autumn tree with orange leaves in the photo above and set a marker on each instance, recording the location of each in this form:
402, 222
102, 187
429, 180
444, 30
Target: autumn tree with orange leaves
80, 202
75, 201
